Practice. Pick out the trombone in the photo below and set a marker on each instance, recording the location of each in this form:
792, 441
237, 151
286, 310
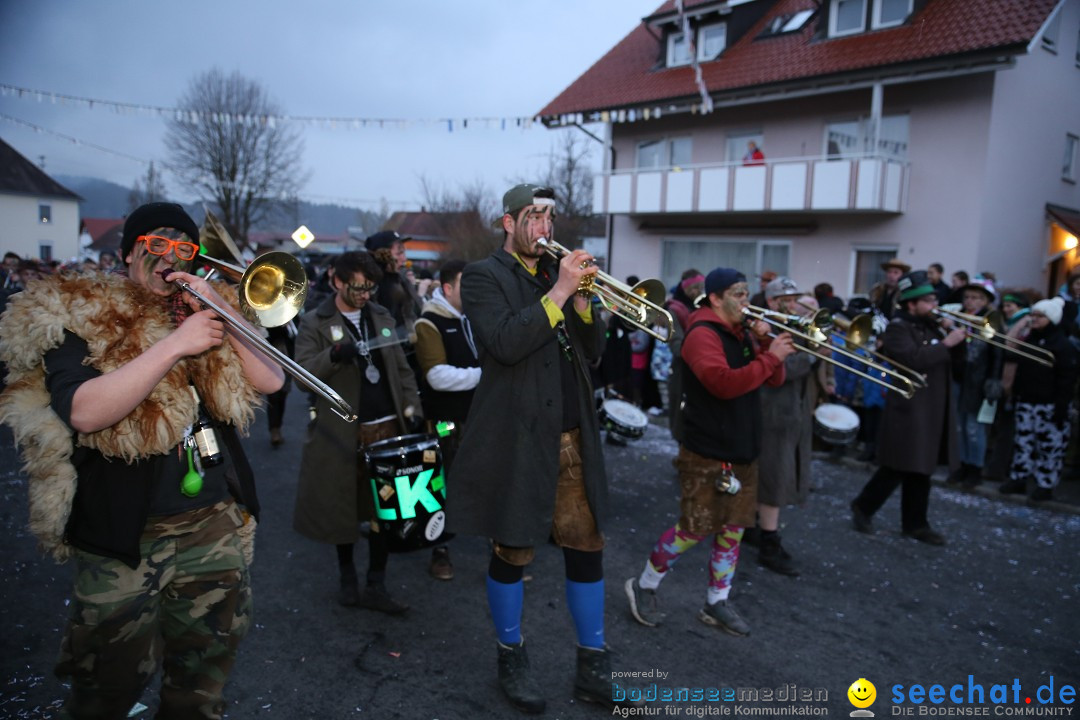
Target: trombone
640, 305
988, 329
271, 291
857, 334
813, 333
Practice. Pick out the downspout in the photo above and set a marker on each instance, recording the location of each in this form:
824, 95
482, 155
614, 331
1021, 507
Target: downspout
609, 149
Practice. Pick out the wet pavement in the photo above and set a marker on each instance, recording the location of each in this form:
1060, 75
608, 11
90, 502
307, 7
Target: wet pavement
1000, 603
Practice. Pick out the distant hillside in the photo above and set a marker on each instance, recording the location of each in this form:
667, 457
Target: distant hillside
107, 199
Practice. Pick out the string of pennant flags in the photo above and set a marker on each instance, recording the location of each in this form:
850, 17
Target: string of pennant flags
358, 123
235, 186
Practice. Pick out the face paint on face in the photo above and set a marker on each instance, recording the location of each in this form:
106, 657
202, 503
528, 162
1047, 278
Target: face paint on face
145, 268
532, 223
734, 299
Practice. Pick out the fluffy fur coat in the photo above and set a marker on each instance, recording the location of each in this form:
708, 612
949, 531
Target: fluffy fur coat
119, 320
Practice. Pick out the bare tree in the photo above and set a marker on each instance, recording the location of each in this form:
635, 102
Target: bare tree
147, 189
226, 143
569, 173
465, 217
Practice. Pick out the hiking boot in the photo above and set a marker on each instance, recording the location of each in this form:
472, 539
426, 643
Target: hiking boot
644, 605
349, 593
925, 535
1013, 487
973, 478
861, 520
520, 689
593, 680
376, 598
441, 568
722, 614
773, 556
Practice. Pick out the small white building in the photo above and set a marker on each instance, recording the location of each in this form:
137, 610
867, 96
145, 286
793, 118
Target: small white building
39, 217
930, 130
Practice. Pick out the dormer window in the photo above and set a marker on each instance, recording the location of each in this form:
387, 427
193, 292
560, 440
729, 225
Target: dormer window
847, 17
888, 13
711, 41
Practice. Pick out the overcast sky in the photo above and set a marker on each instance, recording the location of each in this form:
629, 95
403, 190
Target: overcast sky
351, 58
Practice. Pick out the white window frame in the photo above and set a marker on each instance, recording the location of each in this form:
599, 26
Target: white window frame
876, 22
701, 56
834, 14
893, 250
672, 39
665, 159
1068, 168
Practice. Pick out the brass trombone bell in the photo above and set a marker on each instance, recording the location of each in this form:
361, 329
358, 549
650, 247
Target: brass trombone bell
859, 335
272, 288
989, 328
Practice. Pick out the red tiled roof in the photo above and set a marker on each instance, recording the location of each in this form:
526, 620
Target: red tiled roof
427, 225
105, 232
627, 74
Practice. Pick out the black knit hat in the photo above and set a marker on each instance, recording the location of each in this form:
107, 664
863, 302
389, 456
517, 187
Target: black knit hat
384, 239
152, 216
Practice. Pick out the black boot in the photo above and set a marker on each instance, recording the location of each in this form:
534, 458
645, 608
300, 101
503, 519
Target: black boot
972, 478
520, 689
593, 681
773, 556
349, 594
959, 475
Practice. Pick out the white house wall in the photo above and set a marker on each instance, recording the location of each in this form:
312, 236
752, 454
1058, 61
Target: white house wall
1034, 106
21, 231
949, 129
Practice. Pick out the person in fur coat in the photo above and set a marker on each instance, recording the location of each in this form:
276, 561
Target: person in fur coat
125, 397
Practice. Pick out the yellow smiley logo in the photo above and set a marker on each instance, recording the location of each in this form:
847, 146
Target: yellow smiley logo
862, 693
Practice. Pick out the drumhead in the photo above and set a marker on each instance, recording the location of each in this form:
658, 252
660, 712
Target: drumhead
625, 413
837, 417
401, 445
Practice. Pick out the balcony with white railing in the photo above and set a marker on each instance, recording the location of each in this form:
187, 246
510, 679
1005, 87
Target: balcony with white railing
863, 184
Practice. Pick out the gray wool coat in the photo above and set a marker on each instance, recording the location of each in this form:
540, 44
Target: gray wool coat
329, 505
919, 434
502, 484
787, 423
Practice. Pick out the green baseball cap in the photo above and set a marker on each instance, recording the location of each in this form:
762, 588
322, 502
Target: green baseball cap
913, 285
524, 195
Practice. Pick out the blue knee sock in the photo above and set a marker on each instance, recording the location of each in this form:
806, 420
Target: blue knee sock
505, 601
586, 603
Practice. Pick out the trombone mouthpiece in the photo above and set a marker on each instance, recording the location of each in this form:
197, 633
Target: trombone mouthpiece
166, 273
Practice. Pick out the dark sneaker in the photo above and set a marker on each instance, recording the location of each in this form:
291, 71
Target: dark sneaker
441, 568
376, 598
861, 520
514, 679
925, 535
722, 615
958, 475
644, 605
1013, 487
773, 556
1041, 494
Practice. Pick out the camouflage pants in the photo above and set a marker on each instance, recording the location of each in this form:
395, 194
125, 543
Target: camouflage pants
187, 605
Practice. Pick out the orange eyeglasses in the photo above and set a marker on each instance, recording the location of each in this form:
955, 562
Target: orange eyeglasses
158, 245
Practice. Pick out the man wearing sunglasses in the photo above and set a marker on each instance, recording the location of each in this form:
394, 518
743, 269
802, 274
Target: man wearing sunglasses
108, 375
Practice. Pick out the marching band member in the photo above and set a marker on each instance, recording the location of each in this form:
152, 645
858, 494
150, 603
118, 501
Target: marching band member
531, 465
722, 434
915, 433
333, 495
114, 380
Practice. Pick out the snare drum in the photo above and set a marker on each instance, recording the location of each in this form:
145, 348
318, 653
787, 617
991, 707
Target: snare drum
623, 419
836, 424
409, 489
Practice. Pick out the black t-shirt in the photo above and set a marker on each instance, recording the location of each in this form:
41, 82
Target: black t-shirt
65, 373
376, 402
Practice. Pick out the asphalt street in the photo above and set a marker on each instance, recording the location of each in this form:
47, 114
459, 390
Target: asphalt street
999, 603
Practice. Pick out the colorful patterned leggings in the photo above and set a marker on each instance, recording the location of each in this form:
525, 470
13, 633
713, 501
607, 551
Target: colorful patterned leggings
722, 560
1040, 445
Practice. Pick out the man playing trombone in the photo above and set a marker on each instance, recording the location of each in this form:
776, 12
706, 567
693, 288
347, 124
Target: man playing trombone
722, 438
918, 433
125, 397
